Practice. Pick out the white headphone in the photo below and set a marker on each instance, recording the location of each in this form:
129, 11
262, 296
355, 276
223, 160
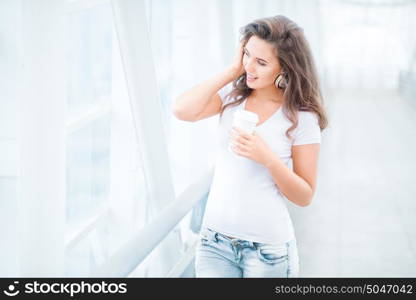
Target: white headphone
280, 81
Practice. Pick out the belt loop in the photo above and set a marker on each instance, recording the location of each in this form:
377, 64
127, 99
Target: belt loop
216, 236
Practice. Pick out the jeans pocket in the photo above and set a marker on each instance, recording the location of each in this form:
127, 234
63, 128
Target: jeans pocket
272, 253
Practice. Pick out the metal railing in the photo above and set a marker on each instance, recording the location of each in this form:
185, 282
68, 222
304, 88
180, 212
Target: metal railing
129, 256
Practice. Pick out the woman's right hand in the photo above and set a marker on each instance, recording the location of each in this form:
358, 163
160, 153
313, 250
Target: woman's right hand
237, 65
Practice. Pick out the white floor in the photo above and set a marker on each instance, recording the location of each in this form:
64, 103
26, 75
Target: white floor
362, 222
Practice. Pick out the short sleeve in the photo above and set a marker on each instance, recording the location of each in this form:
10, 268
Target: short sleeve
308, 130
223, 92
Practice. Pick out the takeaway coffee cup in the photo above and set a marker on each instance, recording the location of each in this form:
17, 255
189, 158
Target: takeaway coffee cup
244, 120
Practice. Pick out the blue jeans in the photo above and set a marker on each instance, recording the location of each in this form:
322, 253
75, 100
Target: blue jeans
220, 256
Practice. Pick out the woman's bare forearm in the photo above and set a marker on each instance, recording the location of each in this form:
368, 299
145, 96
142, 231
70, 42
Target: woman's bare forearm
294, 187
190, 103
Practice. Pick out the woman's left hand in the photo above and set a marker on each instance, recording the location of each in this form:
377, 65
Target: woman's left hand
251, 146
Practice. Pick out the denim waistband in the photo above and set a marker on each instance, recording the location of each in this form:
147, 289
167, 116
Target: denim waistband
235, 242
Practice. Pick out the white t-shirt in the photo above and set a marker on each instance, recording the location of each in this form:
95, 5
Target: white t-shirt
244, 202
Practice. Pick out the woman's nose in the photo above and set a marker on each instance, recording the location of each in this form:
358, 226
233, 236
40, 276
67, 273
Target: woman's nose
249, 66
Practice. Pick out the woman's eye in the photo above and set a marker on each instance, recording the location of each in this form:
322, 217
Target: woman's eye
262, 64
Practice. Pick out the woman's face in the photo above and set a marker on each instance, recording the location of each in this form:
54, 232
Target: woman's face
260, 63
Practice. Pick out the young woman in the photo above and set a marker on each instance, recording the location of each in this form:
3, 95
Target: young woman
247, 230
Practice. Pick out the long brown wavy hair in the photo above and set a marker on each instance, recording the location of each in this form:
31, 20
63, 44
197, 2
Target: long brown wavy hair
302, 91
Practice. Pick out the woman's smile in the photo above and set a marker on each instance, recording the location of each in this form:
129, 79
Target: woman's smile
250, 78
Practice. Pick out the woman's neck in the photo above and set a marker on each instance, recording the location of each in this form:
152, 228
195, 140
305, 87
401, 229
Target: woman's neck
267, 94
